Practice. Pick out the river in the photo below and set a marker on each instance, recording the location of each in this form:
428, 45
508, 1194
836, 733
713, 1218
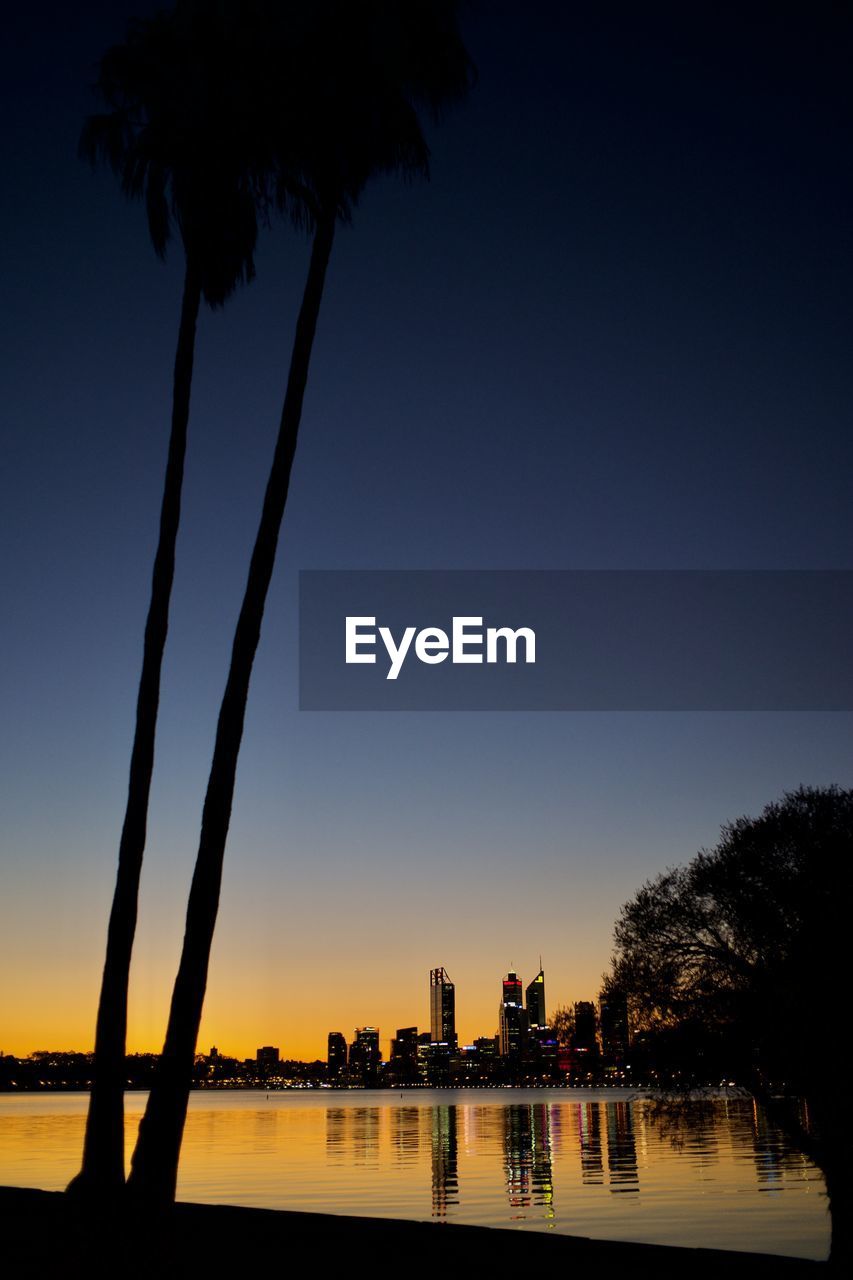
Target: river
599, 1163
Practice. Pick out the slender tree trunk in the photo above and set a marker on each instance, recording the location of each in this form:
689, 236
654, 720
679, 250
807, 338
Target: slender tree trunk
154, 1167
102, 1171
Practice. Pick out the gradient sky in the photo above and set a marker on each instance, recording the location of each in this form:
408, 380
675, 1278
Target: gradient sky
612, 332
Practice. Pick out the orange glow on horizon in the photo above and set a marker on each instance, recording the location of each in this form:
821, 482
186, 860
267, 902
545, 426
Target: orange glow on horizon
54, 1019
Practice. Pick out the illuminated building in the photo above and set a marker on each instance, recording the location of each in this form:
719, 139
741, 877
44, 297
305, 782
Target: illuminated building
404, 1055
486, 1047
613, 1009
442, 1008
364, 1055
337, 1055
512, 1020
535, 995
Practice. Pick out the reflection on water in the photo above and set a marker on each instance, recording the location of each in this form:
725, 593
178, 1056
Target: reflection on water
621, 1148
445, 1153
589, 1131
607, 1165
527, 1158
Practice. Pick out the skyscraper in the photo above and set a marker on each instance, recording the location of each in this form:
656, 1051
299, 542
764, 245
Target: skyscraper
536, 1000
512, 1020
337, 1059
613, 1007
585, 1040
404, 1055
364, 1055
442, 1008
512, 989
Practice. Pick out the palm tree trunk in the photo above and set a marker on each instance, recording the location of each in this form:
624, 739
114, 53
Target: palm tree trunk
154, 1167
102, 1170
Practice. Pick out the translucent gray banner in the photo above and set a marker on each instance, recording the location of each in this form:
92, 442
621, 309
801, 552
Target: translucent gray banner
576, 640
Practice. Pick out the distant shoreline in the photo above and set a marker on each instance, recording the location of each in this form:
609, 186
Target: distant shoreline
639, 1091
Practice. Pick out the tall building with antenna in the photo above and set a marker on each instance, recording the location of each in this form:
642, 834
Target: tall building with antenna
535, 1000
512, 1020
442, 1008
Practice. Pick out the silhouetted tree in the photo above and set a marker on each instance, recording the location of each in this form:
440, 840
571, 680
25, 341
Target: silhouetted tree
173, 132
340, 87
563, 1025
747, 944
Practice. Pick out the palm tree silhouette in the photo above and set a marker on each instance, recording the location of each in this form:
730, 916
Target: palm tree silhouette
342, 109
172, 134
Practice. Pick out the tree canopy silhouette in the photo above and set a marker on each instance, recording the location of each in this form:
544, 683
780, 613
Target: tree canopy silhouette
336, 92
747, 943
174, 131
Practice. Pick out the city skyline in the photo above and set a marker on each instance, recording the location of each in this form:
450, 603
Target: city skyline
283, 1043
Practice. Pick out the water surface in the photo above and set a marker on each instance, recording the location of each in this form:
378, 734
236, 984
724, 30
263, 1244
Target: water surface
586, 1162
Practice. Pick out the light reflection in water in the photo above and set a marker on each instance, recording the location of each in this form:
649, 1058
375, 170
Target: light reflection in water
589, 1131
527, 1159
405, 1135
621, 1148
599, 1164
445, 1155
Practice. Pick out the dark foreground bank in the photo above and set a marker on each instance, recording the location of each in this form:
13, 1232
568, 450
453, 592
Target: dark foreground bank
44, 1233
